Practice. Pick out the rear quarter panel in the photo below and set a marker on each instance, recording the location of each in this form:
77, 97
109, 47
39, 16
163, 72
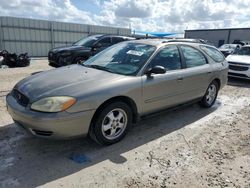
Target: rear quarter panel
220, 71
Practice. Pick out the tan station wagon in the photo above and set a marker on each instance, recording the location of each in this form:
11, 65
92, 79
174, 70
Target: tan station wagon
107, 93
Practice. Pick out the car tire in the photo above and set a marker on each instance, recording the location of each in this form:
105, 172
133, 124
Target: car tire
211, 95
79, 60
111, 124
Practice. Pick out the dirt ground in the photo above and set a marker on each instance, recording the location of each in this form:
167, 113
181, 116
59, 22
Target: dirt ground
189, 147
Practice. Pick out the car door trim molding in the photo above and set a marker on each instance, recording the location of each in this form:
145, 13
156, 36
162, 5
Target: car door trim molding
155, 99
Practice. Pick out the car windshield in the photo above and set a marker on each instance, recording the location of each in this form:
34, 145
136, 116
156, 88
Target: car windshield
243, 51
88, 41
123, 58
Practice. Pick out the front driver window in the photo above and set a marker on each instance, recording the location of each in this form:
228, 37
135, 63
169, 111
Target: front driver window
168, 57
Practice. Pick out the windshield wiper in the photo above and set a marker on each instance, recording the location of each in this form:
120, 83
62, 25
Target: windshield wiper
98, 67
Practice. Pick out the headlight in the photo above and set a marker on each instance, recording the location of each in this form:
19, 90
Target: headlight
66, 54
53, 104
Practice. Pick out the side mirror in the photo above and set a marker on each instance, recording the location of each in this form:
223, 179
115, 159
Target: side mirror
156, 70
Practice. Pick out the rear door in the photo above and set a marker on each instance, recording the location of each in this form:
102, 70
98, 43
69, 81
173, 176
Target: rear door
197, 73
163, 90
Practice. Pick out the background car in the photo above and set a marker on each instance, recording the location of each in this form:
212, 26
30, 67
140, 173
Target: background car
239, 63
107, 93
227, 49
83, 49
241, 42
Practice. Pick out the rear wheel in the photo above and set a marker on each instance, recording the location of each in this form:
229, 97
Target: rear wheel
211, 94
112, 124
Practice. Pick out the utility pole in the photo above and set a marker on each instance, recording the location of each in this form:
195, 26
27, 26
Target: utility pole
1, 34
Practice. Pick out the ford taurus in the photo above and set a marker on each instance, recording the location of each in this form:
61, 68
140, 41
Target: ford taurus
103, 96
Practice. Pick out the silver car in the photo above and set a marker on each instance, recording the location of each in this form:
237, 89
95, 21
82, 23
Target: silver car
110, 91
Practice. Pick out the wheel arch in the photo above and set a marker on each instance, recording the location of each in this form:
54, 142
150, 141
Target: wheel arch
218, 82
80, 56
130, 102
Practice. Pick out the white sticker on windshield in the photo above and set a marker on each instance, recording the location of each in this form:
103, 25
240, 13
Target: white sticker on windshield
133, 52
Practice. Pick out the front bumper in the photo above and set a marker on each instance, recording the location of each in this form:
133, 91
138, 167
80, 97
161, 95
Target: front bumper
239, 70
60, 125
53, 63
53, 59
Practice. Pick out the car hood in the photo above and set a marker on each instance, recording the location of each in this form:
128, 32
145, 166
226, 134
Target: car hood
72, 80
70, 48
239, 58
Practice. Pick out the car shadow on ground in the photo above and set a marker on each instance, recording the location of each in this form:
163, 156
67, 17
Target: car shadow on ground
27, 161
238, 82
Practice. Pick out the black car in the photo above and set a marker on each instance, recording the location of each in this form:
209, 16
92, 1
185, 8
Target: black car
82, 49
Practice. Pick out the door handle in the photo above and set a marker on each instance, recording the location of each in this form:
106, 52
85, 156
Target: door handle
209, 72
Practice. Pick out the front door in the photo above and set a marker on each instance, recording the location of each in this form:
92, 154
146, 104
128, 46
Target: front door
163, 90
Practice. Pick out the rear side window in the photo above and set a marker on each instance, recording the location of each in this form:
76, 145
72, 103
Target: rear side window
193, 57
117, 40
213, 53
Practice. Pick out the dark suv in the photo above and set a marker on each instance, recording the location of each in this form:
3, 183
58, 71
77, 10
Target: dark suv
82, 49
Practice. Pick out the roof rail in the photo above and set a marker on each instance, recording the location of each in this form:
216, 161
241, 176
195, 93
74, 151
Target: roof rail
187, 40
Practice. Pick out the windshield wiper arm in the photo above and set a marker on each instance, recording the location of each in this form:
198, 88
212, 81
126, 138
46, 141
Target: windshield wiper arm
98, 67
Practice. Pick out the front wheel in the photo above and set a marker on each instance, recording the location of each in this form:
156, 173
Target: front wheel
112, 124
211, 94
79, 60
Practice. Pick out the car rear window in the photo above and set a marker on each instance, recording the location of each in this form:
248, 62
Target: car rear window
213, 53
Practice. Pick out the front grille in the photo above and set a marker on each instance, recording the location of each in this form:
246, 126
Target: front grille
20, 98
236, 74
236, 63
238, 68
42, 133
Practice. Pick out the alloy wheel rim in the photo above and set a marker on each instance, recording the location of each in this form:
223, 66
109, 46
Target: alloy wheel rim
211, 94
114, 123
